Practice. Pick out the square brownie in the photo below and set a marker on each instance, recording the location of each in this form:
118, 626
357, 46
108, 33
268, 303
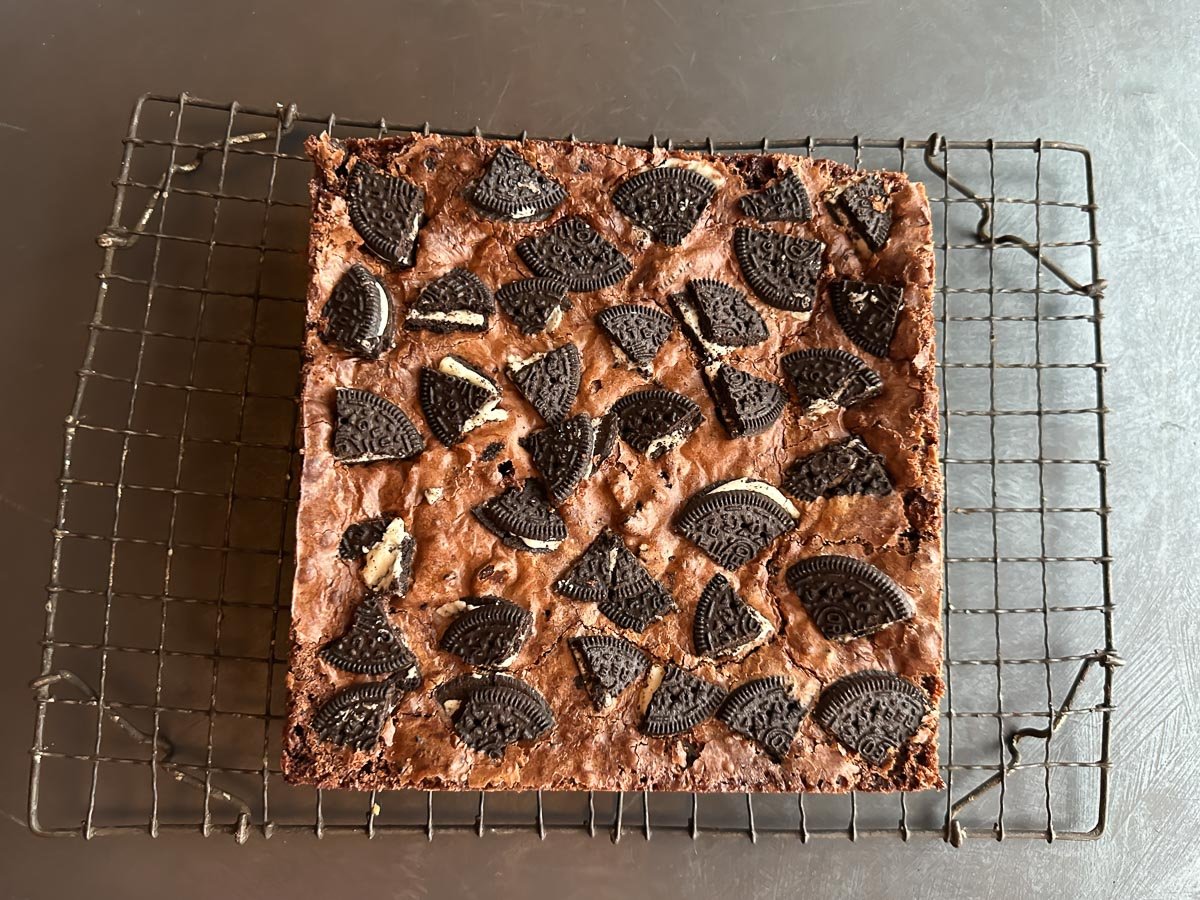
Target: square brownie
619, 473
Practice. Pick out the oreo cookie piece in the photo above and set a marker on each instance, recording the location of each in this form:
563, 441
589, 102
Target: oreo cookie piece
523, 519
867, 312
655, 421
780, 268
608, 665
667, 201
490, 632
678, 701
734, 521
839, 470
387, 549
573, 251
563, 454
746, 404
725, 623
386, 212
825, 379
360, 537
369, 429
353, 718
489, 713
513, 189
608, 573
358, 314
784, 201
637, 609
764, 711
549, 381
607, 431
718, 317
872, 713
638, 331
534, 304
373, 646
868, 206
457, 398
848, 598
456, 301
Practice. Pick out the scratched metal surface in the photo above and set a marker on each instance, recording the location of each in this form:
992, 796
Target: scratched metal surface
1116, 77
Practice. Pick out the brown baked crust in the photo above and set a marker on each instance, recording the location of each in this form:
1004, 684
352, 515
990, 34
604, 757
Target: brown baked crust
900, 532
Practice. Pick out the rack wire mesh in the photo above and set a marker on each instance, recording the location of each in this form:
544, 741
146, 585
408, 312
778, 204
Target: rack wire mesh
160, 702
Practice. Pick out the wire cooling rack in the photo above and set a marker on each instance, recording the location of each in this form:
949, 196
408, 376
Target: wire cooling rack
160, 702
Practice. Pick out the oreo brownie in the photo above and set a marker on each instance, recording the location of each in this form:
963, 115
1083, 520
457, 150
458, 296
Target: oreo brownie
619, 473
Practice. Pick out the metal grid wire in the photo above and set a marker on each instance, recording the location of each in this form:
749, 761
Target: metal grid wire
160, 703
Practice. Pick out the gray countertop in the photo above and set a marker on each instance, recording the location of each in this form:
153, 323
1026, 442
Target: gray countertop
1119, 78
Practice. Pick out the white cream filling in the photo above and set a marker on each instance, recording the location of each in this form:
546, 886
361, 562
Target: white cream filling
653, 681
385, 305
540, 545
760, 487
708, 170
516, 363
433, 495
488, 412
666, 443
554, 319
692, 319
457, 317
382, 567
453, 608
451, 706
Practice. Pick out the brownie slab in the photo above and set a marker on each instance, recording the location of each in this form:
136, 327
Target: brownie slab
731, 583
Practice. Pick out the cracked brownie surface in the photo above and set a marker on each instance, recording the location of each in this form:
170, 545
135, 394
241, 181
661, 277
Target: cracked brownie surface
405, 736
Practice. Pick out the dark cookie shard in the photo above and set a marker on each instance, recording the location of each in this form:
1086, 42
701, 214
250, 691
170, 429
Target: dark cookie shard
666, 201
354, 717
523, 519
734, 521
550, 382
590, 577
680, 702
490, 713
824, 379
784, 201
607, 572
573, 251
607, 430
764, 711
839, 470
780, 268
636, 610
719, 317
386, 212
724, 622
369, 428
360, 537
868, 205
746, 404
656, 420
373, 646
608, 664
513, 189
457, 398
563, 454
489, 633
867, 312
358, 314
640, 331
872, 712
535, 304
848, 598
457, 301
